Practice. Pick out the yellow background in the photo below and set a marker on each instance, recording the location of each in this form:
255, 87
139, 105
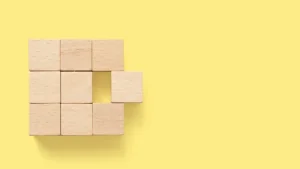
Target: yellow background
221, 83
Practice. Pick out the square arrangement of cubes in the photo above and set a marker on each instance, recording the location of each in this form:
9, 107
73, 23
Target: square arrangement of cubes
60, 87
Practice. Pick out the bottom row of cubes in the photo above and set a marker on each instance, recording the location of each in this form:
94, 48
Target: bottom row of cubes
77, 119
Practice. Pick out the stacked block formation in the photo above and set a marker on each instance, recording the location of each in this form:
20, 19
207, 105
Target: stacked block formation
60, 85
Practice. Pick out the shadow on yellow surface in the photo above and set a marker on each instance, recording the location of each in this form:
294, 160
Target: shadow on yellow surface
101, 87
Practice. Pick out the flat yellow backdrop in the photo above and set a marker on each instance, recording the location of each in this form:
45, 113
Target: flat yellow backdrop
221, 83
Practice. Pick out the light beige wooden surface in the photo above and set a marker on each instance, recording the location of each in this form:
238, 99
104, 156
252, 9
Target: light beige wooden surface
108, 55
76, 87
126, 86
44, 87
44, 119
76, 119
108, 118
44, 54
76, 55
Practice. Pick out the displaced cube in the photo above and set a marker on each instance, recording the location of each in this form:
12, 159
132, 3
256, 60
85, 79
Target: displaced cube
44, 54
44, 87
76, 55
44, 119
126, 86
108, 119
76, 87
76, 119
107, 55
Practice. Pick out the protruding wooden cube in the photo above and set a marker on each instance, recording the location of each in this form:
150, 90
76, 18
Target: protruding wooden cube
108, 55
44, 119
126, 86
44, 54
76, 87
44, 87
108, 119
76, 119
76, 55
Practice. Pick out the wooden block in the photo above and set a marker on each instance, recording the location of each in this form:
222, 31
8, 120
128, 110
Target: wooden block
126, 86
76, 87
44, 54
76, 119
44, 119
44, 87
108, 55
108, 119
76, 55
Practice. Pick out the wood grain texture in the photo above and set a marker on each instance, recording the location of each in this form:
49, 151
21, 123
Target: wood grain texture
76, 87
44, 87
108, 55
76, 55
44, 119
44, 54
76, 119
108, 119
126, 86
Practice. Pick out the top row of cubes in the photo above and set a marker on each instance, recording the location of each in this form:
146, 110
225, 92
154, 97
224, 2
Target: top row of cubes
76, 55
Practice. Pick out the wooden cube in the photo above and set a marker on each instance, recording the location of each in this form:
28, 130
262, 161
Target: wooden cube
76, 119
76, 87
76, 55
107, 55
44, 87
126, 86
108, 119
44, 54
44, 119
